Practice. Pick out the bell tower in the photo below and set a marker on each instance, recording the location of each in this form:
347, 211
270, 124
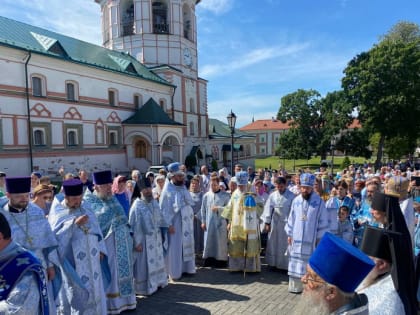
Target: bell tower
162, 35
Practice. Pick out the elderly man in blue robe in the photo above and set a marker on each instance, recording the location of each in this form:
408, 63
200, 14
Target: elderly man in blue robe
30, 229
81, 249
274, 217
176, 206
307, 223
23, 281
333, 273
118, 240
146, 220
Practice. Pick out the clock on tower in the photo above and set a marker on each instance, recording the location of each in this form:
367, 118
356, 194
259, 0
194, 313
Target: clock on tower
187, 56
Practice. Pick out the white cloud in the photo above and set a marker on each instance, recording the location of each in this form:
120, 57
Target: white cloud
251, 58
245, 106
217, 6
81, 19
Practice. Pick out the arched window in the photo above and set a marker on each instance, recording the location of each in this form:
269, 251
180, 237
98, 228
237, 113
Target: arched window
113, 138
187, 22
72, 91
140, 149
112, 97
72, 138
160, 17
127, 17
38, 86
39, 137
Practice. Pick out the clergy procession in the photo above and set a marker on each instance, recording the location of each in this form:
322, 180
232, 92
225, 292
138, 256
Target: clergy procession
349, 243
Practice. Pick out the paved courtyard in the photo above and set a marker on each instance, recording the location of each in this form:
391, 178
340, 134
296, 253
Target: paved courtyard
217, 291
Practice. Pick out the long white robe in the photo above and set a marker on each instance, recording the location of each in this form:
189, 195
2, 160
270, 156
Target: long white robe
30, 229
276, 212
215, 236
307, 223
176, 205
119, 245
81, 250
149, 265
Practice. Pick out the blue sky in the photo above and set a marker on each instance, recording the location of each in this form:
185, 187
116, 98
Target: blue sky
252, 52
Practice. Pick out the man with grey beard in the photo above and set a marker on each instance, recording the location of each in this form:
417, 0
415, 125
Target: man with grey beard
82, 248
118, 240
146, 220
333, 273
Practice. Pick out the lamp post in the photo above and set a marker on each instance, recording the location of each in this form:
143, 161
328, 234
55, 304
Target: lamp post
333, 142
231, 118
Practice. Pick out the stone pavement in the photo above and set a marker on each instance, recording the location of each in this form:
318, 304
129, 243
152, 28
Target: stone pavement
218, 291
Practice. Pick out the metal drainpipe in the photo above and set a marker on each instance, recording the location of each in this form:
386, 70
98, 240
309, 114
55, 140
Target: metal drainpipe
172, 105
29, 113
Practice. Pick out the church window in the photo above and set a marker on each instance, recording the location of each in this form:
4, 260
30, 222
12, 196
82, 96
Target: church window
37, 86
113, 138
112, 97
186, 17
160, 17
137, 100
72, 137
39, 137
99, 127
127, 18
72, 91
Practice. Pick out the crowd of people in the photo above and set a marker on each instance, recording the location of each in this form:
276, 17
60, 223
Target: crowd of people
348, 242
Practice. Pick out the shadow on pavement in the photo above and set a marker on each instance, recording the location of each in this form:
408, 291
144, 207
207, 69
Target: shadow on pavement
165, 308
224, 276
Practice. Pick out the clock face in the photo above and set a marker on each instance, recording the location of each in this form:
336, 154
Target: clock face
188, 60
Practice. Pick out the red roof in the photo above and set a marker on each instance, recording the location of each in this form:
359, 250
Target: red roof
266, 124
355, 124
274, 124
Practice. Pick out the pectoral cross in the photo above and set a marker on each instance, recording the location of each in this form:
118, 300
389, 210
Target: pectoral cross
304, 217
29, 239
249, 218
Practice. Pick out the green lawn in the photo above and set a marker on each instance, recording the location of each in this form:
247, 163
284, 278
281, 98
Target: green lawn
275, 162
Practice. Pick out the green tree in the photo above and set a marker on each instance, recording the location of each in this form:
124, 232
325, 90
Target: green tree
314, 121
346, 162
355, 143
383, 86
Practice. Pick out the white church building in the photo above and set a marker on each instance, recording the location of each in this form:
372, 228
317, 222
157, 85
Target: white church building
135, 102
